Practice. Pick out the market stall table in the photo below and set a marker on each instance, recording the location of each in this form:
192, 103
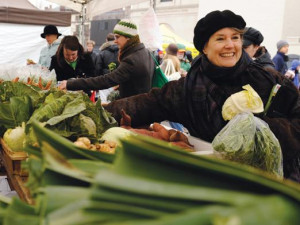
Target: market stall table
15, 175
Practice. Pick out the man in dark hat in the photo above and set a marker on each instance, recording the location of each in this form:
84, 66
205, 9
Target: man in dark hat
51, 35
252, 39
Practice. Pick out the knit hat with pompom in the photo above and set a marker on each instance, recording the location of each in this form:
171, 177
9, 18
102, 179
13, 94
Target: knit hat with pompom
126, 28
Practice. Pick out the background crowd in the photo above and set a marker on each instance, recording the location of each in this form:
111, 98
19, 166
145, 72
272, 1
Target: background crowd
231, 56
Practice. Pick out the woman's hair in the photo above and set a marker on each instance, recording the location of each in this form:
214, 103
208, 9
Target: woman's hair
90, 42
69, 42
110, 37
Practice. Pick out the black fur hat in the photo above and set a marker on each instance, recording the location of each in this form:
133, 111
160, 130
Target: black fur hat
252, 36
213, 22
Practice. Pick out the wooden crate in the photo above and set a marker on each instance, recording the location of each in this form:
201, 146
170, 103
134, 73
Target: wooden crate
12, 160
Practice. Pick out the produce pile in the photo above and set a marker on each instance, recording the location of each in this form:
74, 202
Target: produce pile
147, 182
70, 114
248, 140
158, 131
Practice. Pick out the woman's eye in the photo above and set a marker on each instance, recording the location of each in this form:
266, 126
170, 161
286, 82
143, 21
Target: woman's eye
236, 37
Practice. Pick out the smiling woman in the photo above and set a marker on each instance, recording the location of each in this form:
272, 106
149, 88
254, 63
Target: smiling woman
221, 70
224, 47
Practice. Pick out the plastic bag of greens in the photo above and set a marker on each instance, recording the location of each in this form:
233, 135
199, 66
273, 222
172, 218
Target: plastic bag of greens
248, 140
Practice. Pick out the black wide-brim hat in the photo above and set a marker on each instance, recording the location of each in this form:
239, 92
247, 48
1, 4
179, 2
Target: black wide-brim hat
50, 29
213, 22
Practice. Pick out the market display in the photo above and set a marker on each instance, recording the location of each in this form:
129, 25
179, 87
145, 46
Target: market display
84, 169
147, 182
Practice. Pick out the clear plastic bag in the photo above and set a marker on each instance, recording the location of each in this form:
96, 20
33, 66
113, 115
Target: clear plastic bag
9, 72
248, 140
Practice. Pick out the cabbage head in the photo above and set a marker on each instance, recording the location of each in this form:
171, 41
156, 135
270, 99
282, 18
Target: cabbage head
14, 138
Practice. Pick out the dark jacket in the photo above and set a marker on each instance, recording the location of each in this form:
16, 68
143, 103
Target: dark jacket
108, 54
280, 60
94, 56
85, 68
263, 57
173, 102
134, 74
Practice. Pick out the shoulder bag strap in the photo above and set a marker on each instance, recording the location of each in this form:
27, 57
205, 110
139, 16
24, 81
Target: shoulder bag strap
156, 63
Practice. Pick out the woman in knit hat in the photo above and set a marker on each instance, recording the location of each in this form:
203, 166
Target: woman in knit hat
222, 69
135, 72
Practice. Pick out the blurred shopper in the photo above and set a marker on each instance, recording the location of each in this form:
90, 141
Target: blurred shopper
189, 56
252, 40
185, 64
90, 44
281, 58
293, 73
107, 59
160, 56
51, 35
135, 72
170, 59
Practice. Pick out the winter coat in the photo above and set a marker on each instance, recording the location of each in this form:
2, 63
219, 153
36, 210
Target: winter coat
263, 57
280, 60
47, 52
84, 68
198, 106
94, 56
108, 54
175, 61
134, 74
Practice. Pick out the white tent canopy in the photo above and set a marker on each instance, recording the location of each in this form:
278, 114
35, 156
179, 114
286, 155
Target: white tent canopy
21, 25
95, 7
90, 8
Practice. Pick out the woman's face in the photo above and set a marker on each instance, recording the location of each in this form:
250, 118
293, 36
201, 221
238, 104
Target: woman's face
50, 38
70, 55
120, 40
251, 50
224, 47
90, 47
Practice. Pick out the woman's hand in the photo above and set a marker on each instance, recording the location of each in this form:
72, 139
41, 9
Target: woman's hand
62, 85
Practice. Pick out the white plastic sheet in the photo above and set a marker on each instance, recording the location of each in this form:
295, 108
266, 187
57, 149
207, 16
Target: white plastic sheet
19, 42
149, 30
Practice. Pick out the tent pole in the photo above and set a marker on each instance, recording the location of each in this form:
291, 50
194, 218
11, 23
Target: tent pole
153, 4
82, 21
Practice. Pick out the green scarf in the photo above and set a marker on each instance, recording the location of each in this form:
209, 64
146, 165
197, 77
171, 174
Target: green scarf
72, 64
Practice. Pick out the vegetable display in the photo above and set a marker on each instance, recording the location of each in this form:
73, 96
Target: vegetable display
71, 114
147, 182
